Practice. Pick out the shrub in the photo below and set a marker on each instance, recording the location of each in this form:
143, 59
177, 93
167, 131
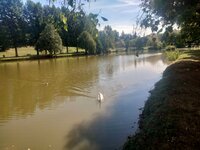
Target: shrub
172, 55
170, 48
87, 42
49, 40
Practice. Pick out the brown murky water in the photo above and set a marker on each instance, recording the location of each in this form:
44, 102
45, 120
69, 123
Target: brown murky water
52, 104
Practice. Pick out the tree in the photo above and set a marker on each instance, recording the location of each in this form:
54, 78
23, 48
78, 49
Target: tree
153, 42
4, 38
173, 38
75, 26
139, 42
126, 38
11, 19
107, 39
90, 25
87, 42
34, 18
49, 40
64, 29
184, 13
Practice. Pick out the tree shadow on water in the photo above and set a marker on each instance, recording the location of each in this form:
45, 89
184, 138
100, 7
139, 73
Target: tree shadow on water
106, 131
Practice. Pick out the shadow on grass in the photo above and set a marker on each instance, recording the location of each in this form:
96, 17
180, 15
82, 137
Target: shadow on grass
191, 54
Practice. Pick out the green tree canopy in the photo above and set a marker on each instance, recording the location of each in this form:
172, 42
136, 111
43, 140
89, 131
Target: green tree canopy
49, 40
87, 42
34, 18
184, 13
11, 24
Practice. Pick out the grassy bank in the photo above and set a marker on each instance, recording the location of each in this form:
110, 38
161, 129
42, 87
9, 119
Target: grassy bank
180, 54
29, 53
171, 116
172, 55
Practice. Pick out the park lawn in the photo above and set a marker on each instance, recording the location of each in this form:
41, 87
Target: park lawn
23, 51
26, 52
72, 50
171, 116
190, 55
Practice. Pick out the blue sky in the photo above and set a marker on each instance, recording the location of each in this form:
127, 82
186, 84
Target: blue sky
121, 14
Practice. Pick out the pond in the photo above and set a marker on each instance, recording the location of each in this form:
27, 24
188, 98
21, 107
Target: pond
52, 104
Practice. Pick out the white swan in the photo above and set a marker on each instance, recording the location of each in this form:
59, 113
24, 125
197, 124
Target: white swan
100, 97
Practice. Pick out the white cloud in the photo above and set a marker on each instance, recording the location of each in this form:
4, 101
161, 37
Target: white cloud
125, 28
119, 4
130, 11
130, 2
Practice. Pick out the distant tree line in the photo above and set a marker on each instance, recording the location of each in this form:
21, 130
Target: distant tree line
111, 39
32, 24
48, 28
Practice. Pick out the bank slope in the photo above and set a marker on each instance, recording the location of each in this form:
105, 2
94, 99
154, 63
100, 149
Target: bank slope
171, 116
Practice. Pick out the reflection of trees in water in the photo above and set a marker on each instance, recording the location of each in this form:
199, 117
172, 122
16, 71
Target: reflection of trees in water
23, 84
107, 131
26, 86
152, 59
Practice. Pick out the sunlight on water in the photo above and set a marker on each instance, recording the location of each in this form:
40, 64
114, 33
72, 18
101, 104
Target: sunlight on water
52, 104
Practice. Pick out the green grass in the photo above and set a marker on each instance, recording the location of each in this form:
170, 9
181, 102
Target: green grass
182, 54
190, 54
72, 50
26, 53
172, 55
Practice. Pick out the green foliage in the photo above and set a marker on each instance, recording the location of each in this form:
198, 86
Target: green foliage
34, 18
87, 42
153, 42
75, 26
4, 38
90, 25
21, 25
172, 55
49, 40
139, 42
173, 38
107, 39
170, 48
126, 38
11, 24
185, 14
120, 43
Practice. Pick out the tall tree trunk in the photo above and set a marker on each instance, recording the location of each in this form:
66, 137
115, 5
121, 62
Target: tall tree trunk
77, 49
67, 49
16, 52
38, 52
45, 52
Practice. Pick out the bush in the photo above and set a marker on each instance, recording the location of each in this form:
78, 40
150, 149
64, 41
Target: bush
154, 48
170, 48
87, 42
49, 40
172, 55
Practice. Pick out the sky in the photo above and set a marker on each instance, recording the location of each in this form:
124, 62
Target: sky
121, 14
